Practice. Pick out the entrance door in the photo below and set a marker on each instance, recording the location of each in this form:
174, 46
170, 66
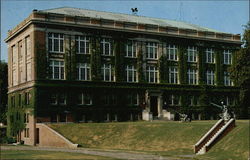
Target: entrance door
154, 105
37, 135
63, 117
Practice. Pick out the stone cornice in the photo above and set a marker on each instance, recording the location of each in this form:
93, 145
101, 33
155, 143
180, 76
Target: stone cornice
87, 22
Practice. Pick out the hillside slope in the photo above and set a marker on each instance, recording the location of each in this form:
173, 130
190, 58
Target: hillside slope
165, 138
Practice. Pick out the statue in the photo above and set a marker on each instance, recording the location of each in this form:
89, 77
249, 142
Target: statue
224, 115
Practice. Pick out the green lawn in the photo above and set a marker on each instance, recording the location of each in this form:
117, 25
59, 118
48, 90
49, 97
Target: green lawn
163, 138
31, 154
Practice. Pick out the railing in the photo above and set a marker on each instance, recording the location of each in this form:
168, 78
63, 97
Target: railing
208, 135
221, 133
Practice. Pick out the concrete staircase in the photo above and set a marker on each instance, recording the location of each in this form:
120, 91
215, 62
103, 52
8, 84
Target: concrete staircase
218, 131
49, 137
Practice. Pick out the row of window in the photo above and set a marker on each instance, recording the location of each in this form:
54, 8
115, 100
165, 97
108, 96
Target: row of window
56, 42
131, 99
86, 99
131, 75
192, 100
27, 97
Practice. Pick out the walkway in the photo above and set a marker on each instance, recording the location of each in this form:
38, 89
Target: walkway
98, 152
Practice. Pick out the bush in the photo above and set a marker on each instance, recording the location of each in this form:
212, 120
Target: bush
7, 140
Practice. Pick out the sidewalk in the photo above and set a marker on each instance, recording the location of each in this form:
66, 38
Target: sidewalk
98, 152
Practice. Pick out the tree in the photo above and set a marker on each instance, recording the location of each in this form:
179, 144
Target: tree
240, 73
3, 90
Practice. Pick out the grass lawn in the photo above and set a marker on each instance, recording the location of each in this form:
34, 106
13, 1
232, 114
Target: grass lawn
164, 138
31, 154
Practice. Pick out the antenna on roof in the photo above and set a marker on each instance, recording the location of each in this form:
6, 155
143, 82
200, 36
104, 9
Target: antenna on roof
134, 11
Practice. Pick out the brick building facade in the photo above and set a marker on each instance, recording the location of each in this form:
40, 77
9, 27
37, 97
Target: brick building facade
76, 65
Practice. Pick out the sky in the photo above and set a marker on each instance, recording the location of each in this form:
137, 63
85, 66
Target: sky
226, 16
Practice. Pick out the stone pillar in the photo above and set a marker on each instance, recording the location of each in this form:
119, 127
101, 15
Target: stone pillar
108, 119
199, 116
57, 118
131, 117
116, 118
167, 115
147, 116
160, 103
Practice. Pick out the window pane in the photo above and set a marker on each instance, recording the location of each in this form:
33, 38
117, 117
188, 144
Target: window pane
88, 74
107, 48
62, 99
62, 73
56, 72
56, 35
82, 47
50, 44
87, 47
61, 45
107, 75
56, 45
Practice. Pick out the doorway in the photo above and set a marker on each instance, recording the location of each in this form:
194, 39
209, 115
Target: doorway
154, 105
37, 135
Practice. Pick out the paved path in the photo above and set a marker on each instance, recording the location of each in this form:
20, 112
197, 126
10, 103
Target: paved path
98, 152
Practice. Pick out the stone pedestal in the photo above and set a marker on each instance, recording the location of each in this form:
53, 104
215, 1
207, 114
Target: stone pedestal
147, 116
167, 115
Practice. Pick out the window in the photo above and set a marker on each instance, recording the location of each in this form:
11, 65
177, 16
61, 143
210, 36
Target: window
20, 100
229, 101
173, 75
27, 98
83, 71
18, 116
56, 42
227, 80
28, 58
227, 55
131, 73
192, 100
82, 45
62, 99
27, 47
192, 54
192, 76
109, 99
210, 58
56, 99
56, 69
151, 50
152, 74
106, 47
20, 50
84, 99
14, 65
173, 99
131, 49
210, 77
13, 101
172, 53
107, 72
133, 99
53, 99
26, 118
26, 132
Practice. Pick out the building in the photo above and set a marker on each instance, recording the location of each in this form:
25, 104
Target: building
76, 65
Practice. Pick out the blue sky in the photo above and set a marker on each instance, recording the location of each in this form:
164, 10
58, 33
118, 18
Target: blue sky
227, 16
